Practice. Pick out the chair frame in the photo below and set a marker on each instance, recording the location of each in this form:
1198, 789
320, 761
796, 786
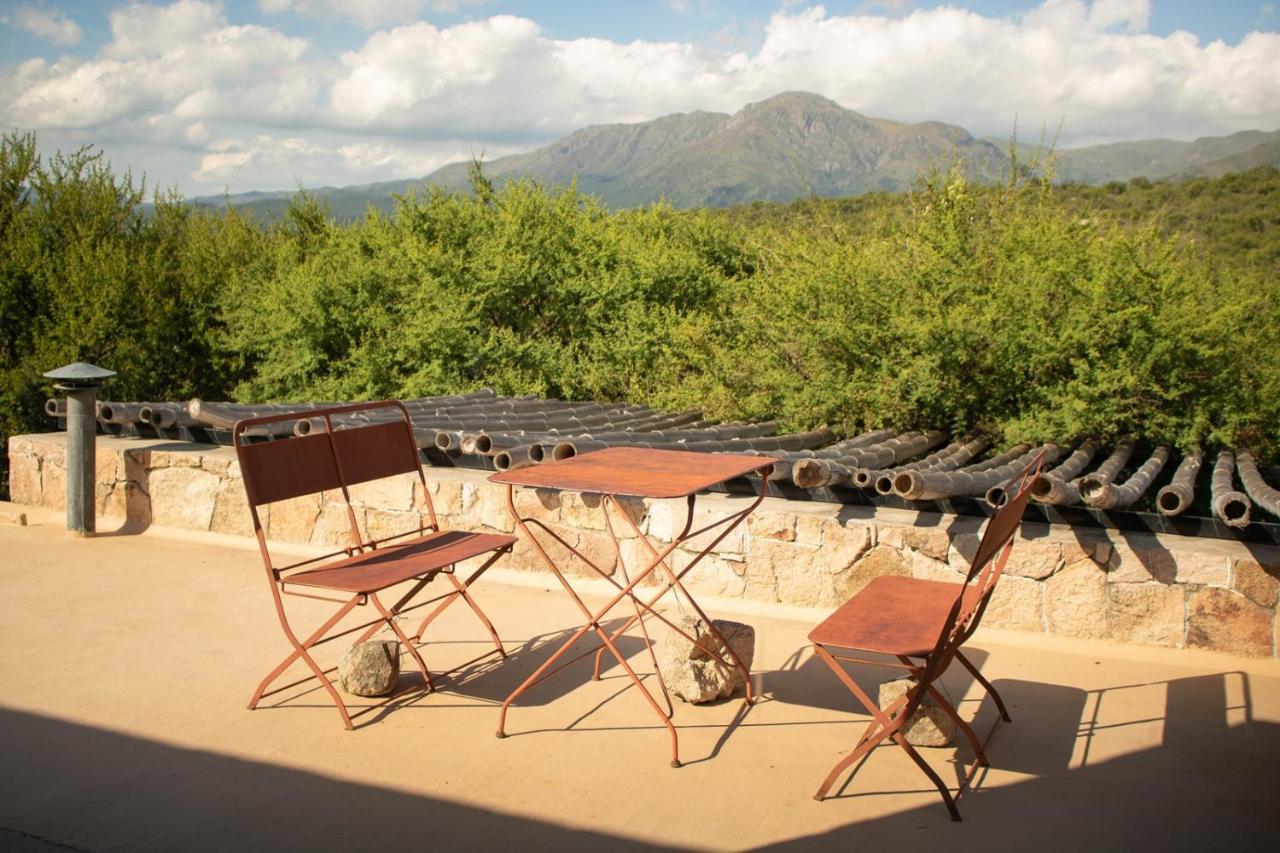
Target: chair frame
961, 621
263, 466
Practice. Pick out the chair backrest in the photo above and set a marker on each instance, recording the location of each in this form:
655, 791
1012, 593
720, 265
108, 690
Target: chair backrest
988, 564
343, 455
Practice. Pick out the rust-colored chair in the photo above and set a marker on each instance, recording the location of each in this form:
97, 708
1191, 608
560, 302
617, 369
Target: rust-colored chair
332, 461
922, 624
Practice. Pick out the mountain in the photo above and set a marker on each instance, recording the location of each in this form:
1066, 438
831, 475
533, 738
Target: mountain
1160, 159
791, 145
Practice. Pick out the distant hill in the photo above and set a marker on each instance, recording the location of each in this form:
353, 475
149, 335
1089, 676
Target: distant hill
1161, 159
792, 145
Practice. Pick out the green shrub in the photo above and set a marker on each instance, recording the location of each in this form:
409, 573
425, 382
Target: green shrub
1037, 312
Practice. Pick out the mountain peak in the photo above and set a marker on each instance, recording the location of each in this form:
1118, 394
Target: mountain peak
796, 144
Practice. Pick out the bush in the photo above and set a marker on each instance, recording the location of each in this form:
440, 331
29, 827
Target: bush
1036, 312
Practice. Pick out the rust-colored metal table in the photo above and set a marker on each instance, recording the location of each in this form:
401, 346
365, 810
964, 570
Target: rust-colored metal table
638, 473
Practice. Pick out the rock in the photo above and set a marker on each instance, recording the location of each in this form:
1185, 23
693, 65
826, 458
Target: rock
931, 541
1258, 583
370, 669
1147, 613
772, 525
1017, 604
1036, 560
929, 725
691, 673
1226, 621
1076, 601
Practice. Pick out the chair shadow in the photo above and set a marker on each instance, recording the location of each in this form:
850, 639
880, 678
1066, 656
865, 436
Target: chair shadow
485, 679
1210, 782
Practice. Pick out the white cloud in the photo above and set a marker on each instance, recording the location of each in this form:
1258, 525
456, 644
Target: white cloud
181, 60
182, 74
48, 24
285, 162
367, 13
1093, 66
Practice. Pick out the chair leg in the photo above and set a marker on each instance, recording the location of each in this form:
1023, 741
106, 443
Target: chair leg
461, 591
300, 652
475, 608
973, 670
974, 743
870, 740
928, 771
390, 618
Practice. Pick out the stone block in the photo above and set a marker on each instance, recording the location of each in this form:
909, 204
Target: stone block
489, 507
598, 547
542, 504
963, 548
793, 574
332, 527
1149, 613
1016, 604
1198, 568
843, 545
1034, 559
810, 528
1259, 583
1226, 621
714, 575
691, 673
880, 561
1126, 564
183, 497
446, 496
231, 510
1074, 550
370, 669
927, 568
1076, 601
928, 725
217, 464
381, 523
772, 525
385, 493
734, 543
108, 465
293, 520
53, 482
24, 479
583, 511
112, 499
933, 542
666, 519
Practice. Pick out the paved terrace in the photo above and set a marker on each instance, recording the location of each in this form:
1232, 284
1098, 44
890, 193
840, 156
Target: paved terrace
128, 659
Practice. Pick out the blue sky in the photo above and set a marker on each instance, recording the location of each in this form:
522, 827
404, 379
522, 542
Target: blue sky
206, 95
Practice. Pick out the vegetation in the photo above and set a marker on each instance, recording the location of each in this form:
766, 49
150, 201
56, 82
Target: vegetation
1033, 311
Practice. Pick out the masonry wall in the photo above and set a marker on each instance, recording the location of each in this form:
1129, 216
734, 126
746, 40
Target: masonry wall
1143, 589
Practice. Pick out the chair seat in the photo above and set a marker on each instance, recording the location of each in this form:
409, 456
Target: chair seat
392, 564
893, 616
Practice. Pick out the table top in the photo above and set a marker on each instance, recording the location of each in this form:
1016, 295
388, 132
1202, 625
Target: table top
639, 472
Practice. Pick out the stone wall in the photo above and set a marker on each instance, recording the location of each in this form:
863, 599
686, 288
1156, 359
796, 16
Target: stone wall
1144, 589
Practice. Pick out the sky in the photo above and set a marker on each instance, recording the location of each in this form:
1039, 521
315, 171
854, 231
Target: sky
211, 96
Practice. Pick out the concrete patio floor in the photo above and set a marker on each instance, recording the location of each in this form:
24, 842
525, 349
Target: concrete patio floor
127, 661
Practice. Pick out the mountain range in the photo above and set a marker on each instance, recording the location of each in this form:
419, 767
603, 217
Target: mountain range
791, 145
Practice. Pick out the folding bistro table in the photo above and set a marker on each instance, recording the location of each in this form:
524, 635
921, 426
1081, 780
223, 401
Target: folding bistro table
639, 473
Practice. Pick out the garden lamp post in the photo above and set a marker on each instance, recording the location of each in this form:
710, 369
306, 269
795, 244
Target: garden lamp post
81, 382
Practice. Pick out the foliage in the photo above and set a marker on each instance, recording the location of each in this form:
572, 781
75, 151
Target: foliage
1038, 312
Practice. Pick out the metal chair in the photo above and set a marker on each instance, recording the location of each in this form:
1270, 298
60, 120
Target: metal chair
332, 461
922, 624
